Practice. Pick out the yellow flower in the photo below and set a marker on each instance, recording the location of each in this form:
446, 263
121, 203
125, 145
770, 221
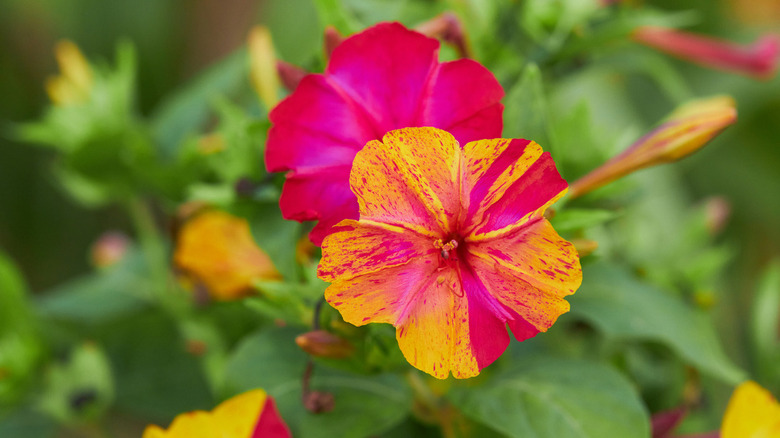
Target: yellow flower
752, 413
218, 250
75, 81
247, 415
262, 62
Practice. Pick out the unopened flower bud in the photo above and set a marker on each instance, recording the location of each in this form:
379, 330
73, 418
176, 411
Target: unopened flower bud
584, 247
109, 249
685, 131
320, 343
291, 75
265, 78
448, 27
332, 38
718, 211
758, 60
74, 83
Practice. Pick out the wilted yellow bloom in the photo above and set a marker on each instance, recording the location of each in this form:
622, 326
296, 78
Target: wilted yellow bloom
75, 80
218, 250
262, 62
685, 131
752, 413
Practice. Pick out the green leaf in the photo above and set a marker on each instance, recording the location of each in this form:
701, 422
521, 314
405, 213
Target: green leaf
621, 307
364, 406
548, 397
101, 296
26, 423
336, 14
154, 374
185, 112
526, 111
572, 219
14, 310
275, 235
765, 323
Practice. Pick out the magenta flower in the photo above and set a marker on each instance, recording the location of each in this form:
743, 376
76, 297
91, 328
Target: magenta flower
384, 78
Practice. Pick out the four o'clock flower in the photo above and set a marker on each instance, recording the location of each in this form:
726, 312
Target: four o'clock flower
252, 414
451, 247
384, 78
758, 60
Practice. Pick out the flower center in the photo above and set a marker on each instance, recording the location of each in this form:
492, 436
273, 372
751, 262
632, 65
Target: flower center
448, 248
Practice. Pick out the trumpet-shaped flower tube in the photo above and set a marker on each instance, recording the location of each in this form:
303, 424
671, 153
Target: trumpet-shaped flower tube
685, 131
252, 414
451, 247
384, 78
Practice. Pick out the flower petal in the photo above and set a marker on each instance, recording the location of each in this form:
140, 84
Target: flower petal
434, 332
237, 416
509, 181
411, 179
530, 271
363, 248
751, 412
319, 193
472, 114
379, 296
270, 423
218, 250
487, 325
309, 122
386, 69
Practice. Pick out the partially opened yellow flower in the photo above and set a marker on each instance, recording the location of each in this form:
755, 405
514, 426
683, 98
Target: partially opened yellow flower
752, 413
252, 414
218, 250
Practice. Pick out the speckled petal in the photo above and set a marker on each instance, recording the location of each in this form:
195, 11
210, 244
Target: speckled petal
410, 179
433, 332
509, 182
530, 271
367, 247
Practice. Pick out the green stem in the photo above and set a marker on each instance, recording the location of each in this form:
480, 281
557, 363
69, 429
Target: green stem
151, 243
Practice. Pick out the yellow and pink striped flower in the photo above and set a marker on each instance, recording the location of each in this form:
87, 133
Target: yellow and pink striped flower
252, 414
451, 247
